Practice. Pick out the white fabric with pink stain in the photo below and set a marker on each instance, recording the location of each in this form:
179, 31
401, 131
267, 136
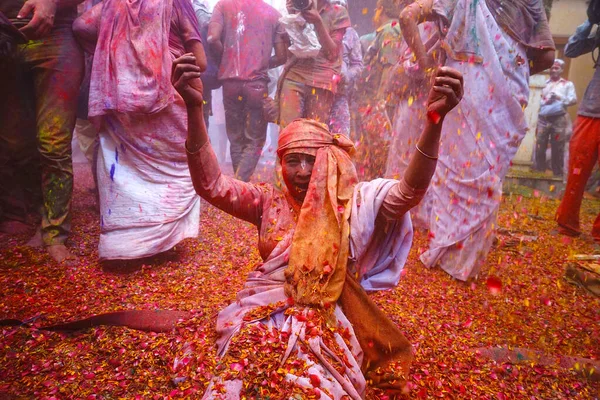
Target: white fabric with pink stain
147, 200
479, 139
381, 257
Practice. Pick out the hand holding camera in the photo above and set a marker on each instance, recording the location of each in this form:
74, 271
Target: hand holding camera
301, 5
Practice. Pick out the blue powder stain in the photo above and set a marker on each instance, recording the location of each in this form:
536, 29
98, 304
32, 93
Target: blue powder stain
102, 220
112, 172
109, 211
117, 155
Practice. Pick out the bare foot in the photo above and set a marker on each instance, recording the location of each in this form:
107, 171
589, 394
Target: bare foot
36, 239
14, 227
61, 254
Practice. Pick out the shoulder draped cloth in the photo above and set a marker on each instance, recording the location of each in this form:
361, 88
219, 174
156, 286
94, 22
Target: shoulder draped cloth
463, 26
316, 274
131, 72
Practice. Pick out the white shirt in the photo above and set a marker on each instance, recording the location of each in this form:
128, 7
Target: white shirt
564, 91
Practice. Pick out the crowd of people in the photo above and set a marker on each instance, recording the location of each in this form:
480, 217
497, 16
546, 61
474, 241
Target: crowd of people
425, 113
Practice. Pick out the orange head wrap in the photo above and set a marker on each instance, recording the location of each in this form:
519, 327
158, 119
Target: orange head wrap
307, 136
319, 255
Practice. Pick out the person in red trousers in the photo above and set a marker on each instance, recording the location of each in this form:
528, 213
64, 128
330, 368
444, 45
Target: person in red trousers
585, 143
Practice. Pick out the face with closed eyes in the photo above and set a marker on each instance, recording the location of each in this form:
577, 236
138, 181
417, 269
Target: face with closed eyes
296, 169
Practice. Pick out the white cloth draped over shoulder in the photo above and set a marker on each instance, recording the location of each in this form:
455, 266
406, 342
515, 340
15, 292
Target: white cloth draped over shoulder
379, 259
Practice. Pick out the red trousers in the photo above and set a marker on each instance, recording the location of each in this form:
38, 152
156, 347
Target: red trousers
584, 149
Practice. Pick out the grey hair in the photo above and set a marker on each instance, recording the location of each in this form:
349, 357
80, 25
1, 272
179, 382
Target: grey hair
560, 62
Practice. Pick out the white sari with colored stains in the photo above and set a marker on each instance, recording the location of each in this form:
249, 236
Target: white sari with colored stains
479, 138
147, 199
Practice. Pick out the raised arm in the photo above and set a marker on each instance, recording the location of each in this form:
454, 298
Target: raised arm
240, 199
445, 94
331, 42
410, 18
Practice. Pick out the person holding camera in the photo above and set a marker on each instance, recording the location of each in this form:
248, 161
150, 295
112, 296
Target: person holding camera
585, 143
310, 84
557, 95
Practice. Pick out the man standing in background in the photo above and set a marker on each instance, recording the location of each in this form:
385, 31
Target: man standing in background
557, 95
242, 35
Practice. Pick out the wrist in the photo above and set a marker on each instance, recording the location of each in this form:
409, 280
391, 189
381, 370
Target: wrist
194, 106
435, 118
319, 24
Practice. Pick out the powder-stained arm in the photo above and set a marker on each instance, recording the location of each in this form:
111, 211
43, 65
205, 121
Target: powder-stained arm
446, 93
240, 199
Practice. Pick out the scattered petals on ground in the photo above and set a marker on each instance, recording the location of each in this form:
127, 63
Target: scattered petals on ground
519, 300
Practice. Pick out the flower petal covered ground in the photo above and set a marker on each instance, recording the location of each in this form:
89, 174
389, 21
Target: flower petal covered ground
519, 301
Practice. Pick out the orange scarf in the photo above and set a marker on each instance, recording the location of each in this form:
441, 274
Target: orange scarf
319, 254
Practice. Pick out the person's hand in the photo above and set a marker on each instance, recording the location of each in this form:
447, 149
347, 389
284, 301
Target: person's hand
43, 17
445, 94
312, 16
185, 77
554, 97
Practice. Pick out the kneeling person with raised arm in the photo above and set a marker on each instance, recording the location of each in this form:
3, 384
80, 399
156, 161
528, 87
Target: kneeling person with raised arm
303, 320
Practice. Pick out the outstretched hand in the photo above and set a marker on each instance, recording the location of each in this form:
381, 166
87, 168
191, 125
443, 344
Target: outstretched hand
446, 92
185, 77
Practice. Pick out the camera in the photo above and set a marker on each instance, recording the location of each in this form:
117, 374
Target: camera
301, 5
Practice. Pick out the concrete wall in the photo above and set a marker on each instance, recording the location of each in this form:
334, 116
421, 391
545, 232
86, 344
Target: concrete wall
566, 16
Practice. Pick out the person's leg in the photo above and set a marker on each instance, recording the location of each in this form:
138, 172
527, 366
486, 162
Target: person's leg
557, 142
57, 65
318, 104
291, 102
19, 161
541, 144
596, 227
256, 128
558, 154
583, 155
233, 102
